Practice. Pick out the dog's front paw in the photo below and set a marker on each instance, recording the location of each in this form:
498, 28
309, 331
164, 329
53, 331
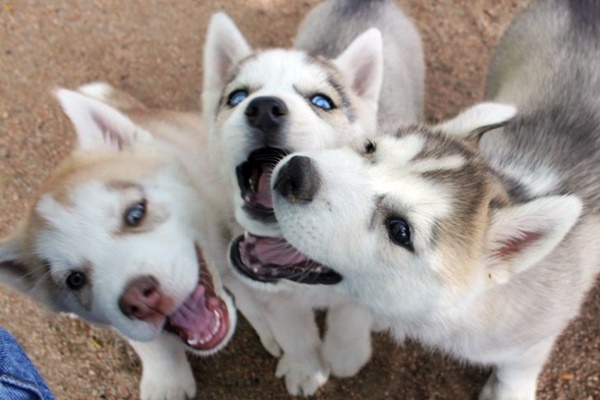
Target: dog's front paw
303, 374
494, 389
168, 385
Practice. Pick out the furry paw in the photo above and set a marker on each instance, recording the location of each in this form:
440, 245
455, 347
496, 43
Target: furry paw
303, 375
494, 389
346, 359
168, 385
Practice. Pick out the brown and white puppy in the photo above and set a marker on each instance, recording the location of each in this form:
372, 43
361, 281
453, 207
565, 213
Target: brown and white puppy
114, 236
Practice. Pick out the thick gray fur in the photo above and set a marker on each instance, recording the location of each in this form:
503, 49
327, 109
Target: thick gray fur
548, 65
330, 27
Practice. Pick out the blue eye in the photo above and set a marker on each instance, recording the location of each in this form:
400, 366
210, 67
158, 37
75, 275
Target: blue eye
322, 101
236, 97
135, 214
399, 232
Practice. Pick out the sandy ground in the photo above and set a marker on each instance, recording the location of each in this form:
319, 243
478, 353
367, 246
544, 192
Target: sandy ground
153, 49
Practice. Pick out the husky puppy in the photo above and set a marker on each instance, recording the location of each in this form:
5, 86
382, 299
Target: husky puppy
261, 105
114, 236
484, 252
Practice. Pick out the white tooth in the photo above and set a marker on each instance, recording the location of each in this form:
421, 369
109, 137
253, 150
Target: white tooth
217, 326
198, 339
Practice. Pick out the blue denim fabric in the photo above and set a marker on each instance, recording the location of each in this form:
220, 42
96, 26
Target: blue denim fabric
19, 379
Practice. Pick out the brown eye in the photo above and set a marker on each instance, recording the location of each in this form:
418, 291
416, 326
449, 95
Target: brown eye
399, 232
370, 147
135, 214
76, 280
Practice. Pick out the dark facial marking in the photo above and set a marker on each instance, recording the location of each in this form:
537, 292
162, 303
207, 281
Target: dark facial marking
585, 15
346, 104
332, 71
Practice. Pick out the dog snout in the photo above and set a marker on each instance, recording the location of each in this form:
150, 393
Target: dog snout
298, 180
142, 299
266, 113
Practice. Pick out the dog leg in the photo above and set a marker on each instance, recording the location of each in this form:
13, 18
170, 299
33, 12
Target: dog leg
296, 331
253, 313
347, 343
166, 372
517, 379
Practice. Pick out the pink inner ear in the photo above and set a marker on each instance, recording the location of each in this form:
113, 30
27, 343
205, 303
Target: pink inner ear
514, 245
362, 79
110, 135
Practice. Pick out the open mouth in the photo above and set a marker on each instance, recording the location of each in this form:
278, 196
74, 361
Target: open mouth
268, 260
202, 321
253, 178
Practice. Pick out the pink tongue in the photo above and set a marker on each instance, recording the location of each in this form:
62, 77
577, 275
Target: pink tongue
263, 194
193, 315
269, 250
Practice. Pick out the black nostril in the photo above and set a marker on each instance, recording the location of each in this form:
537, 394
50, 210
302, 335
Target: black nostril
251, 110
266, 112
298, 180
279, 110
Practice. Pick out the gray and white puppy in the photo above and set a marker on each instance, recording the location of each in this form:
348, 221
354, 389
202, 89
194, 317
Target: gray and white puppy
402, 89
485, 252
260, 105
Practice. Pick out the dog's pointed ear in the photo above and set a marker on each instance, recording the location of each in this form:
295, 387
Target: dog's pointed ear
13, 268
362, 62
472, 123
98, 125
225, 46
520, 236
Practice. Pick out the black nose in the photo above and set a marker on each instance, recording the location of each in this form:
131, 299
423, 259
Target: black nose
266, 113
298, 180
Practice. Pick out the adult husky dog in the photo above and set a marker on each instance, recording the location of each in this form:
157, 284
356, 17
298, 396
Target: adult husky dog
261, 105
115, 235
484, 252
